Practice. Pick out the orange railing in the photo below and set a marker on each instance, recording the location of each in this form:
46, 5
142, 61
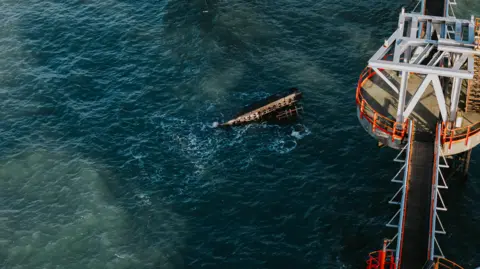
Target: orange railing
378, 121
454, 135
442, 263
382, 259
407, 187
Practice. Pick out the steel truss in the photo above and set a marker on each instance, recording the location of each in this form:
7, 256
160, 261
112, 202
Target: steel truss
437, 203
413, 48
397, 220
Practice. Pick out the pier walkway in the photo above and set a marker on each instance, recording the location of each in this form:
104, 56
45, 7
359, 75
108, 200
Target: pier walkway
419, 199
419, 187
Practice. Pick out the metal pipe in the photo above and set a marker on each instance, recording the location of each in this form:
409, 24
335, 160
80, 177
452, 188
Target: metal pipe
402, 96
455, 98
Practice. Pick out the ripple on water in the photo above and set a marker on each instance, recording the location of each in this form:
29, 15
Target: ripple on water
107, 107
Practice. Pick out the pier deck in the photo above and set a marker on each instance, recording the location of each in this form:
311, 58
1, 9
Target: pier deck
383, 99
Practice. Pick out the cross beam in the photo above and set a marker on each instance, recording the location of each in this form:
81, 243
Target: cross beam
415, 35
416, 68
406, 39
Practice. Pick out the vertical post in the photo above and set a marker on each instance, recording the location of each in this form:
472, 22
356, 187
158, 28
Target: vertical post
413, 29
471, 30
422, 12
451, 139
411, 32
469, 87
423, 7
468, 134
401, 97
362, 107
381, 258
382, 255
466, 164
443, 26
394, 131
456, 88
447, 3
444, 126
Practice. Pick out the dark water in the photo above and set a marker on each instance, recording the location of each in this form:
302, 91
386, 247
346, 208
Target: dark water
108, 158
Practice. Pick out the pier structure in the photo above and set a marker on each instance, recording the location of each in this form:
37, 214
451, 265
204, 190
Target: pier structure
420, 94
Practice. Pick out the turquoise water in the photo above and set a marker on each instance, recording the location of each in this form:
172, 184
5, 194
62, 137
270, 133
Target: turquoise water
108, 158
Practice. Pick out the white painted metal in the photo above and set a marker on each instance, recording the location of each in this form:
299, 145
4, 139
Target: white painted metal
388, 81
421, 69
398, 236
437, 198
438, 94
457, 83
416, 97
402, 96
437, 87
425, 52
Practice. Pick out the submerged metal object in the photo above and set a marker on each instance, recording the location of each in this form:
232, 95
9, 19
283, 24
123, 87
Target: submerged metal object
275, 108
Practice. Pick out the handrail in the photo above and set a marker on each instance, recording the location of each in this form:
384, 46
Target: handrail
403, 208
378, 121
454, 135
433, 197
442, 263
381, 260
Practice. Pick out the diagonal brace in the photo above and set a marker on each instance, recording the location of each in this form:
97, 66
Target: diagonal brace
388, 81
421, 89
440, 97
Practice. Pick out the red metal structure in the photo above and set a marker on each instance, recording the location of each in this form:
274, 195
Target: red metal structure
381, 259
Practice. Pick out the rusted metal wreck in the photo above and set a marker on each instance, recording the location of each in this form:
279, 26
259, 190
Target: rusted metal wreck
275, 108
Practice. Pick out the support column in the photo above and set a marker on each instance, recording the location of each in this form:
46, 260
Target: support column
401, 97
466, 164
455, 97
412, 29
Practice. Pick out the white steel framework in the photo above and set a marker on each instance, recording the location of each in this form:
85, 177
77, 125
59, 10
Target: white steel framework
432, 47
437, 203
398, 218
